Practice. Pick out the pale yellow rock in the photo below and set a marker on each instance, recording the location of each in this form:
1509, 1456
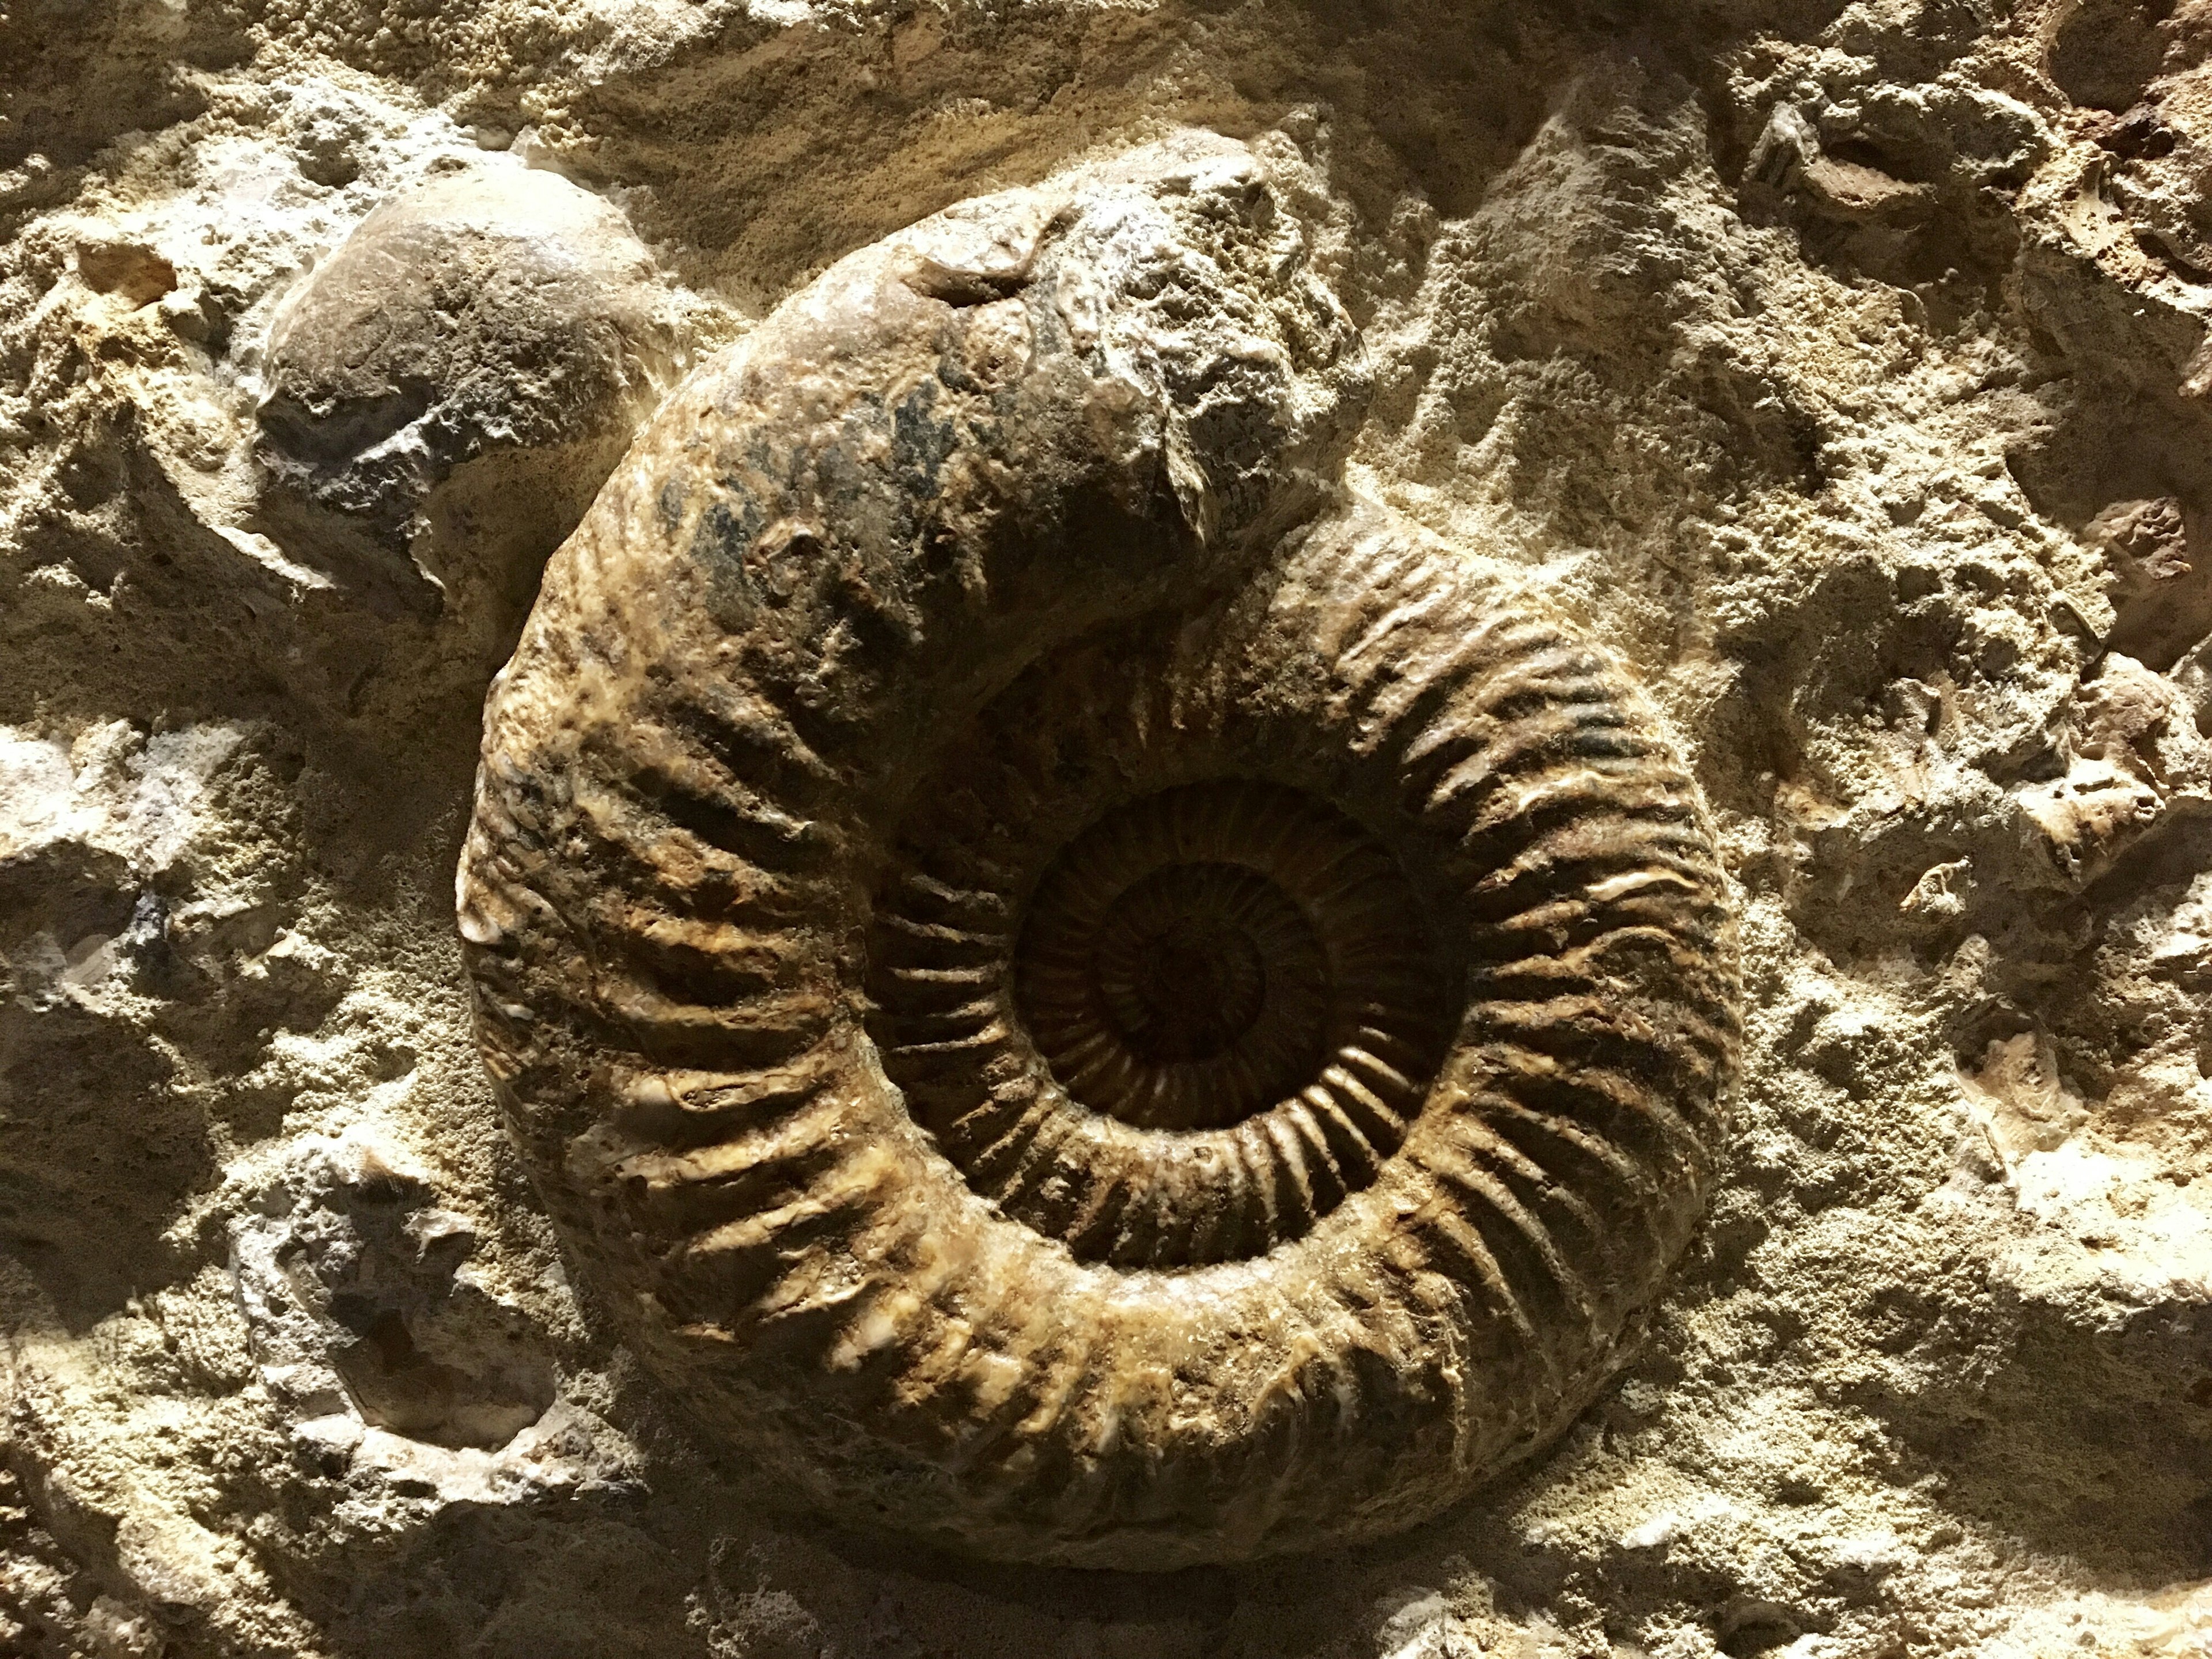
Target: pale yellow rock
1838, 366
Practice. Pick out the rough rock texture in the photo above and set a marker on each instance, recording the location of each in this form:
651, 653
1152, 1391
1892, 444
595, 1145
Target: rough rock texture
1840, 366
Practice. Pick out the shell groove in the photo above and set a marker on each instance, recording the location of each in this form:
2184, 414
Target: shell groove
1295, 1018
1062, 1026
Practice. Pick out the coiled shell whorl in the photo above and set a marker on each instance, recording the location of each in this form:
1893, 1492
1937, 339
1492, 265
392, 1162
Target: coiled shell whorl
1081, 994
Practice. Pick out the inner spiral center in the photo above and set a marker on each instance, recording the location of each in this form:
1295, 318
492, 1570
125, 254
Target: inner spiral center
1173, 971
1182, 963
1209, 1017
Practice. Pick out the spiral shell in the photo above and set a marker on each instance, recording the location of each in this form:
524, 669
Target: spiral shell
1083, 996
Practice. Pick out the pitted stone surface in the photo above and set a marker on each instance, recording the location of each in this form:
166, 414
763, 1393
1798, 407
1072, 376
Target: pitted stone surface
1837, 365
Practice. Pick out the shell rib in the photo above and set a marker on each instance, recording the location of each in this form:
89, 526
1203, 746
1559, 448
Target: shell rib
1078, 1000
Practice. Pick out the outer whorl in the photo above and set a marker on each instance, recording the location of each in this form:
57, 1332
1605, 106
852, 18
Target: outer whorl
1072, 1008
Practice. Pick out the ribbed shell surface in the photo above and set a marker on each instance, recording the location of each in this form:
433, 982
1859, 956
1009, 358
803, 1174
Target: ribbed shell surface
1011, 537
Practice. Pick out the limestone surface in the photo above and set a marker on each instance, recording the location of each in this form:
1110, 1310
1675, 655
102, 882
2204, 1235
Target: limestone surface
1836, 369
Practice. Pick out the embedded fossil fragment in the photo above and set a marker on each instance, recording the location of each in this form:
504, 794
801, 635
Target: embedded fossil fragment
1081, 1001
494, 315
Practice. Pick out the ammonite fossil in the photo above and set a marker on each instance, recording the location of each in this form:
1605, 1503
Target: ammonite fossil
1082, 993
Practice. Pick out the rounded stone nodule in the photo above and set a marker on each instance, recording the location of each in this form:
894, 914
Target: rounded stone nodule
1086, 997
487, 316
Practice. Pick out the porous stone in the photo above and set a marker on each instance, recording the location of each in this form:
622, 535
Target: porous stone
1834, 369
